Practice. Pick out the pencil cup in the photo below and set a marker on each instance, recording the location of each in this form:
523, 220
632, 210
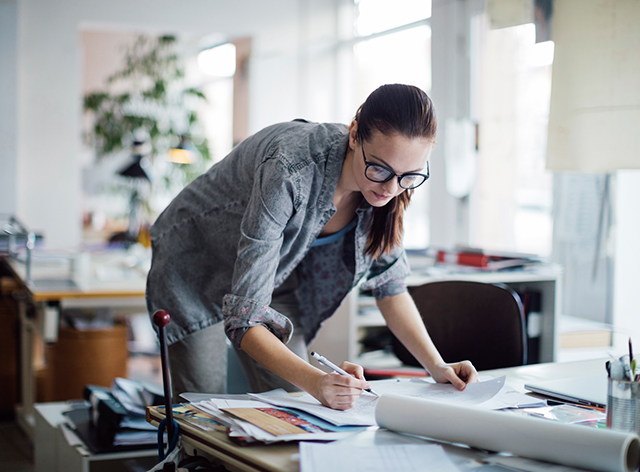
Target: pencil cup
623, 406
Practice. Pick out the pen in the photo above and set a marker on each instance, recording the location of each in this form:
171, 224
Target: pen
326, 362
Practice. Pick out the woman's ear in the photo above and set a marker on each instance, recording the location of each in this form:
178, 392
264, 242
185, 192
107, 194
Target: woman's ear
353, 134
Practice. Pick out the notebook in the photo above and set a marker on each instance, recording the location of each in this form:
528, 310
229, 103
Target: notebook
590, 391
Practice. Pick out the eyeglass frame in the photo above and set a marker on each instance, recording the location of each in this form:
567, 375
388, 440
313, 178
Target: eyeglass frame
391, 172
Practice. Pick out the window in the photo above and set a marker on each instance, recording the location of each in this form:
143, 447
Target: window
393, 45
511, 205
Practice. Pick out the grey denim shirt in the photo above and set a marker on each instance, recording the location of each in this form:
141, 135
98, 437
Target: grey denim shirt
239, 230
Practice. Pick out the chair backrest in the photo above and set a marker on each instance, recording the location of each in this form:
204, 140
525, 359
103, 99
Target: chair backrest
480, 322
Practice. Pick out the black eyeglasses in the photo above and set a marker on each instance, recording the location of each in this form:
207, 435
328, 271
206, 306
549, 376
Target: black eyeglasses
380, 174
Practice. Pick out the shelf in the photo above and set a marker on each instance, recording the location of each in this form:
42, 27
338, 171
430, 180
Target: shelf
343, 332
370, 317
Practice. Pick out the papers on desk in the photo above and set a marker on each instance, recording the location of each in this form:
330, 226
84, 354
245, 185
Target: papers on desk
363, 414
252, 420
360, 415
433, 411
278, 416
374, 458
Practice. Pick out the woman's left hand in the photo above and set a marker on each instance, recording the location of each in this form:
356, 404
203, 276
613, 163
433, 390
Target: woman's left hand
459, 374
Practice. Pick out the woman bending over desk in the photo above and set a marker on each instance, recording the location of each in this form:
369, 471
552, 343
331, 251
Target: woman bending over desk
266, 244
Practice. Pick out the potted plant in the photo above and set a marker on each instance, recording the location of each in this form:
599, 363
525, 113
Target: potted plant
147, 109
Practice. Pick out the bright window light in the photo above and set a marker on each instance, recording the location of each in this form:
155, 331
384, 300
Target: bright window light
541, 54
219, 61
375, 16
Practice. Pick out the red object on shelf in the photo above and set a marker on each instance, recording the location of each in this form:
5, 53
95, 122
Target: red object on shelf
475, 259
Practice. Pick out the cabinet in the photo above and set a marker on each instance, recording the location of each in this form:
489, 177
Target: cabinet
47, 287
57, 448
341, 335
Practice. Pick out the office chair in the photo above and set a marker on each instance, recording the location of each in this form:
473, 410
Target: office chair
480, 322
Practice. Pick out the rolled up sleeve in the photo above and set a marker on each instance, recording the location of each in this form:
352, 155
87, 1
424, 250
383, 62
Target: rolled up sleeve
387, 276
241, 313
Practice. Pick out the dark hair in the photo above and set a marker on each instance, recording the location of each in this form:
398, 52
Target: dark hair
390, 109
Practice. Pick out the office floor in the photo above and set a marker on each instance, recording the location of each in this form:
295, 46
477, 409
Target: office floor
16, 451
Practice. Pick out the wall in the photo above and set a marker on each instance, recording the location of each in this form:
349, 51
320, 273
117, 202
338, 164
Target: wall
47, 188
8, 77
626, 313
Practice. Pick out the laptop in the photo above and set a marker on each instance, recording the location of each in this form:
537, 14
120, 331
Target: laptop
589, 391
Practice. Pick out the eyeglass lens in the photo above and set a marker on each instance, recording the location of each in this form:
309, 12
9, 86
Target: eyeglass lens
379, 173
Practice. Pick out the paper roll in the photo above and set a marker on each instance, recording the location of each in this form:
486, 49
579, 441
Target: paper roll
535, 438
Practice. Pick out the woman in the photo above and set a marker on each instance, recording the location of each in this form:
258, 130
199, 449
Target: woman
272, 238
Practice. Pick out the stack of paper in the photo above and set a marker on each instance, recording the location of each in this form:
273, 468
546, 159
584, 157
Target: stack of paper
279, 416
253, 420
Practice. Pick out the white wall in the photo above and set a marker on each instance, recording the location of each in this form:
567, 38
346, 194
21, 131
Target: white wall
626, 240
8, 78
47, 188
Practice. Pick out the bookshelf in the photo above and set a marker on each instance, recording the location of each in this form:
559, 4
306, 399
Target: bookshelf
341, 335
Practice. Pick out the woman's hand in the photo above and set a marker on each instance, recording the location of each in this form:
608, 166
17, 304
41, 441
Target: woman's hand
341, 392
459, 374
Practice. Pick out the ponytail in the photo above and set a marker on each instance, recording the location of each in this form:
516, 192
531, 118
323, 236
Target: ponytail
406, 110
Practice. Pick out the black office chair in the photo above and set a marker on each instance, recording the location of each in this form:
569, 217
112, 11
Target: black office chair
480, 322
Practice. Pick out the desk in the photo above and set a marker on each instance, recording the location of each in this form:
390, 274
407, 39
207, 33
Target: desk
57, 448
55, 283
280, 458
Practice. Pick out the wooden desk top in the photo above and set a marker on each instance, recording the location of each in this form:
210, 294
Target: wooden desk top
262, 458
53, 281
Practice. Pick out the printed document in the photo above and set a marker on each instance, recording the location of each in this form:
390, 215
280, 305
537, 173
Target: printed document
316, 457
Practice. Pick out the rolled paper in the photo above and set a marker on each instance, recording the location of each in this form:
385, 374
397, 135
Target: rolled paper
535, 438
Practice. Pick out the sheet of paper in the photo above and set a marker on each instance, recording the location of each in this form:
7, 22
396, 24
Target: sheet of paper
508, 398
363, 413
505, 398
474, 394
375, 458
232, 403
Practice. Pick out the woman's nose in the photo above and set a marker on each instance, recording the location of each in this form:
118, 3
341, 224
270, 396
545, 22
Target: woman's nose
391, 187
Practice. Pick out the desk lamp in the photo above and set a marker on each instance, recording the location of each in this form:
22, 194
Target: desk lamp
137, 170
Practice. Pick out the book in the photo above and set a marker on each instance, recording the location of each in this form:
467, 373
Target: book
485, 260
188, 414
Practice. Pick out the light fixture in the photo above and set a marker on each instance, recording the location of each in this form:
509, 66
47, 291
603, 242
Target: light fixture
218, 61
138, 171
185, 152
138, 166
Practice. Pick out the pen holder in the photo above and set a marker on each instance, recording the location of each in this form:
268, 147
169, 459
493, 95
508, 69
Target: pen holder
623, 406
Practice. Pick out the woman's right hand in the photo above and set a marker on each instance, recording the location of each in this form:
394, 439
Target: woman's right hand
341, 392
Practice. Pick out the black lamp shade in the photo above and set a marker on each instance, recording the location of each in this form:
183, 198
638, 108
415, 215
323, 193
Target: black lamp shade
136, 168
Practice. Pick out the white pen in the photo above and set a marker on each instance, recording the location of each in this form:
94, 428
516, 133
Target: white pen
324, 361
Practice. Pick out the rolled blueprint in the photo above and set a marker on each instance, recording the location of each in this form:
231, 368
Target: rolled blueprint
534, 438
